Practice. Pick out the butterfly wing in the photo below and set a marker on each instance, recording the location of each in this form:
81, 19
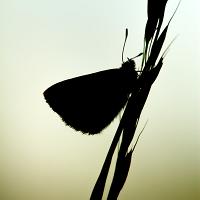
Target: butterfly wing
89, 103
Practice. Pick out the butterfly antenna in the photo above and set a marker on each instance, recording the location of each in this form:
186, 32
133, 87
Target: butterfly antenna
126, 35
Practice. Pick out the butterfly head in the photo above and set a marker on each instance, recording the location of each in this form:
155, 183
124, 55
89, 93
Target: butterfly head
129, 65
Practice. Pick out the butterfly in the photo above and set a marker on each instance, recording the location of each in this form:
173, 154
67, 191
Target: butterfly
90, 102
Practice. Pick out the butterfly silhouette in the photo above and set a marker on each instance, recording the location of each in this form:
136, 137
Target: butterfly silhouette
89, 103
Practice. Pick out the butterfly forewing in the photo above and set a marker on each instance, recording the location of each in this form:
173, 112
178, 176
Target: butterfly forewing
89, 103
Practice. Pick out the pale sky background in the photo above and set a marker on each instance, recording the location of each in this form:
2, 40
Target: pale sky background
43, 42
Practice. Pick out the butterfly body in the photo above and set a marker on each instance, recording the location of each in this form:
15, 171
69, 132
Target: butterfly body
89, 103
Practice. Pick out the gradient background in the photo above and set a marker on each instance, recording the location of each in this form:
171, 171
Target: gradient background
43, 42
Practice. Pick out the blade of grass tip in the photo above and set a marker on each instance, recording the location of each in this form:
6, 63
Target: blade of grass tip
167, 49
156, 48
174, 12
161, 13
151, 24
155, 7
138, 137
155, 71
155, 12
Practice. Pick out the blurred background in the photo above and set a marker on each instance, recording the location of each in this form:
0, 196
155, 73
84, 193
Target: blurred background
43, 42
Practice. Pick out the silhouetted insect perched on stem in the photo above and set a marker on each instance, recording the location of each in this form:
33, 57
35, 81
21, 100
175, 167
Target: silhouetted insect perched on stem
89, 103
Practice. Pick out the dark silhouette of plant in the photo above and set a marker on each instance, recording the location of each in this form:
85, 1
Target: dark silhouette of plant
89, 103
150, 68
